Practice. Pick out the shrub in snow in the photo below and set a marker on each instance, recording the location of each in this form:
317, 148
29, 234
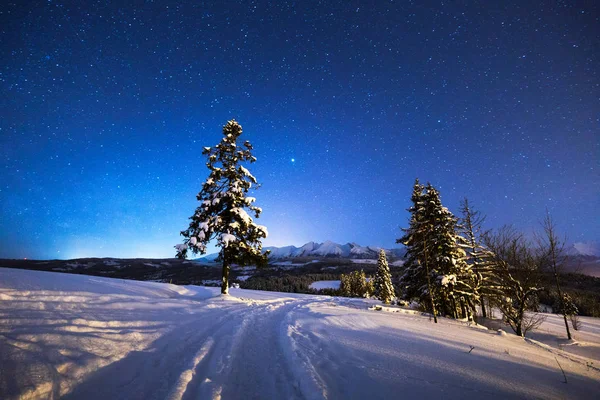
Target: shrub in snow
222, 212
567, 306
575, 322
403, 303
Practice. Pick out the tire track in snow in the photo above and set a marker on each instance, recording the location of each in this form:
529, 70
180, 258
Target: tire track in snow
261, 366
159, 371
187, 375
206, 379
310, 382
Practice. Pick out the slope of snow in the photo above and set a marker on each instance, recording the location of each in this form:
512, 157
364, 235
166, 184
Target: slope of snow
364, 261
363, 252
306, 249
282, 252
318, 285
81, 337
329, 248
587, 248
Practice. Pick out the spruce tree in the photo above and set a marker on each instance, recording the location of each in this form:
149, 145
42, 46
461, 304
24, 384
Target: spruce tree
222, 212
383, 280
416, 281
481, 260
436, 272
455, 279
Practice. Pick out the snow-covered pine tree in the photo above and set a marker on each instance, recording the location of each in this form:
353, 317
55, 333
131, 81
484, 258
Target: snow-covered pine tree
383, 280
416, 282
222, 213
455, 280
481, 260
435, 271
413, 275
345, 285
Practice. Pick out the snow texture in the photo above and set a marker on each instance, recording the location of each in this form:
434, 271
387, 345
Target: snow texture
227, 238
80, 337
318, 285
587, 248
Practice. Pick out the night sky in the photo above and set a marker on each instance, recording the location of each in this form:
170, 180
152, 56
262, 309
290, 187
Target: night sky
105, 107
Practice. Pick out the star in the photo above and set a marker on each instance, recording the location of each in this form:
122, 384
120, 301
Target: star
81, 123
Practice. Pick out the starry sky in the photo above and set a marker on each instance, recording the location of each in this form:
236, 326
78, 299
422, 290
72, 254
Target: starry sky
106, 105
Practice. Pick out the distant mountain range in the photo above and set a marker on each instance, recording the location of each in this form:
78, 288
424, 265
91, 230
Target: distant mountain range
327, 249
584, 249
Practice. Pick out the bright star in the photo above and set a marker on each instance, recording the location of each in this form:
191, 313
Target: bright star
293, 160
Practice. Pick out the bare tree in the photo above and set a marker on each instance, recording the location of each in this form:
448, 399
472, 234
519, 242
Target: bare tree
550, 243
532, 321
519, 265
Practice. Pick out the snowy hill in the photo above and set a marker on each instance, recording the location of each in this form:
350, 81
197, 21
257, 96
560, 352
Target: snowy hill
81, 337
327, 249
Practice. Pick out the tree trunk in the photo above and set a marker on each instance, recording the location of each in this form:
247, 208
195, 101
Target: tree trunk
483, 312
567, 326
225, 277
562, 302
453, 305
429, 283
556, 250
463, 308
471, 310
520, 317
519, 330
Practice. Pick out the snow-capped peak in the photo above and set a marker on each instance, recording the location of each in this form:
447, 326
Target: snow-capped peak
586, 249
327, 249
330, 249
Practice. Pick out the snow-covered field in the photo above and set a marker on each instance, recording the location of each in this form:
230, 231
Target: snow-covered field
363, 261
82, 337
397, 263
318, 285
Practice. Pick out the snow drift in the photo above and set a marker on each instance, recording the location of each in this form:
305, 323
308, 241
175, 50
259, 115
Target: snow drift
82, 337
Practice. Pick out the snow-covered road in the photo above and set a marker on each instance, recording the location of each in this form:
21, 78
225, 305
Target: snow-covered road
82, 337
